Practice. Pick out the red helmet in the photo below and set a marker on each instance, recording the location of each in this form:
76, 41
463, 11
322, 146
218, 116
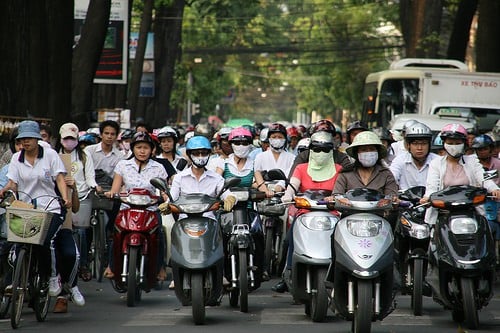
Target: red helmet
292, 132
454, 131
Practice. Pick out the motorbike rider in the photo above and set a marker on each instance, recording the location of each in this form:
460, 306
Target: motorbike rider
368, 172
124, 139
239, 165
223, 148
454, 168
399, 146
410, 168
484, 147
337, 156
293, 137
168, 141
198, 179
274, 158
317, 174
136, 172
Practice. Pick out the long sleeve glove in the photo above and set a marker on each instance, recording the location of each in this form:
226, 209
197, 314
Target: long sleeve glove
164, 208
229, 202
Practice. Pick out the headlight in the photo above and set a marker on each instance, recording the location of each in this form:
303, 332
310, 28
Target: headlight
326, 222
240, 195
138, 199
194, 208
463, 225
364, 228
419, 231
195, 229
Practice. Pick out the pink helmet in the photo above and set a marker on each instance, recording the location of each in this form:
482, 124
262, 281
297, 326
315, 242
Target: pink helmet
454, 131
240, 134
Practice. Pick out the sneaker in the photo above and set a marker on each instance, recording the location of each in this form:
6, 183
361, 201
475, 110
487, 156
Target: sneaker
55, 287
76, 296
171, 285
8, 290
61, 305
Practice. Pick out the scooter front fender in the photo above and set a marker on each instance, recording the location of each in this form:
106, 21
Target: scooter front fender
196, 243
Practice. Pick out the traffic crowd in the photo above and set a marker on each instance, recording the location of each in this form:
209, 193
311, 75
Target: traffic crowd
194, 159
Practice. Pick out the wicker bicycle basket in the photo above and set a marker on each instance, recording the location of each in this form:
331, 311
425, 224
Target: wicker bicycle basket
27, 225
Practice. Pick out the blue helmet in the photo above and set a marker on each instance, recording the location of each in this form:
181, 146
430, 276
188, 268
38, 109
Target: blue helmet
198, 142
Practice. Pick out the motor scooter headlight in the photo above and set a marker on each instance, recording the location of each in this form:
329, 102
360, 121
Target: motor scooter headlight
194, 208
364, 228
326, 222
195, 229
138, 199
463, 225
419, 231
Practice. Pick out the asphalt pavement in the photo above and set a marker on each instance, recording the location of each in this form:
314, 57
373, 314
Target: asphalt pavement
159, 311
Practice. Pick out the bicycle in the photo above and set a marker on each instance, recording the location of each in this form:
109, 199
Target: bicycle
28, 228
6, 266
98, 246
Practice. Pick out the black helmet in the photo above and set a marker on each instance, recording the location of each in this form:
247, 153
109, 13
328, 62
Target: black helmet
126, 134
355, 125
142, 137
276, 128
322, 125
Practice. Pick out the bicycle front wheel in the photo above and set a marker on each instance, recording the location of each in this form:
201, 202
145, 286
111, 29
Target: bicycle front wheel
19, 287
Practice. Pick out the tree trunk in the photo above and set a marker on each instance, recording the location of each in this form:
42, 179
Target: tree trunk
461, 30
86, 57
35, 45
167, 28
488, 30
135, 80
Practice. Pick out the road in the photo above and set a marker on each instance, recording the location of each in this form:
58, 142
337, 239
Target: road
160, 311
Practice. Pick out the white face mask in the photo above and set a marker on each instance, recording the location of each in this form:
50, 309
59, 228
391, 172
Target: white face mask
454, 150
277, 144
199, 161
368, 159
241, 151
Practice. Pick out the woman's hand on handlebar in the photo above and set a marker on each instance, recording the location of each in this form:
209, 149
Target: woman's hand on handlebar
496, 194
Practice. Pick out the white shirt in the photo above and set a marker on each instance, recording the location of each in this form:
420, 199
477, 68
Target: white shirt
185, 182
266, 161
406, 172
132, 178
398, 147
37, 180
105, 162
233, 167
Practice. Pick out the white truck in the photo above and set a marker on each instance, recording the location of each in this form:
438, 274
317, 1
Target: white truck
431, 87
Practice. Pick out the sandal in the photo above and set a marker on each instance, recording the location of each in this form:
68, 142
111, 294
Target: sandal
85, 274
108, 273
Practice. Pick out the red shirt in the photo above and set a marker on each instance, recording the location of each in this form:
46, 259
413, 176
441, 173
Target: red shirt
306, 182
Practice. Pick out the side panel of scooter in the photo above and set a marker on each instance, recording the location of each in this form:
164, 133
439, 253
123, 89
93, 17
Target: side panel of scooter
196, 252
364, 252
314, 244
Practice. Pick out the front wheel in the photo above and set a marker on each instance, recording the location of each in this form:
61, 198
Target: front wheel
133, 288
268, 251
19, 287
198, 298
243, 280
41, 298
362, 321
319, 299
418, 281
471, 318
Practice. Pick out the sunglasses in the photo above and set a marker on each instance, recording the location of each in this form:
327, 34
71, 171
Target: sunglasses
240, 143
321, 149
199, 153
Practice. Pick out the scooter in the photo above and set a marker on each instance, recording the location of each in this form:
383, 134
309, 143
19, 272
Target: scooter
312, 230
360, 277
491, 214
197, 254
136, 244
274, 222
245, 264
411, 241
461, 254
